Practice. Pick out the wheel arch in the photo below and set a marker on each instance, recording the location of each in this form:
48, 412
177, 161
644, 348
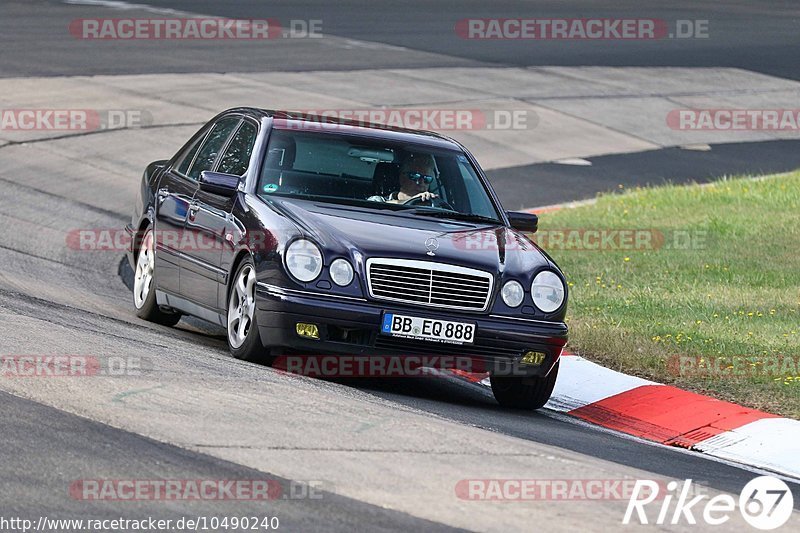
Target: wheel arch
240, 256
145, 223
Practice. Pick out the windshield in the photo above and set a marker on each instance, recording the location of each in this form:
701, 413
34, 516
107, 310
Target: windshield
374, 173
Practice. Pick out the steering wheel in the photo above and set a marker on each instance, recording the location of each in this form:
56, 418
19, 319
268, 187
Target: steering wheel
434, 202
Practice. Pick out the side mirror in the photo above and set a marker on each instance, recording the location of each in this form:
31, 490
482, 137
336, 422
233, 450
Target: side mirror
219, 183
523, 221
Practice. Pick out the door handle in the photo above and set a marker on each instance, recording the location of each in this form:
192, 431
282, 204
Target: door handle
162, 194
193, 209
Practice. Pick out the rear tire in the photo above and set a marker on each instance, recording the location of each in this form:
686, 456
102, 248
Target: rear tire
244, 340
528, 393
144, 285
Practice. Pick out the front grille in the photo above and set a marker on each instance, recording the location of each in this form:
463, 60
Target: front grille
430, 284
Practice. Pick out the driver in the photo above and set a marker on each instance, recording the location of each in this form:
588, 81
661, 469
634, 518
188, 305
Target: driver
417, 172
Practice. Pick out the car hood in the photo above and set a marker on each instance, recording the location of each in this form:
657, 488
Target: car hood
360, 234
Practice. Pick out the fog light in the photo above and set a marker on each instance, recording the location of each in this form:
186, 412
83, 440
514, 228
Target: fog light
309, 331
534, 358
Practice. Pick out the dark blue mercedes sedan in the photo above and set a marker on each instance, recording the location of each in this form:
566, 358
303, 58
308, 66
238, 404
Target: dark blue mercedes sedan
313, 235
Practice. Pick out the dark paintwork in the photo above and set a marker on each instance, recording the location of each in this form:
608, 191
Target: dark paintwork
196, 281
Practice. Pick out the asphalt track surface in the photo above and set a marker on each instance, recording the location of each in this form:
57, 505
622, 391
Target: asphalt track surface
89, 446
553, 183
758, 36
56, 300
755, 36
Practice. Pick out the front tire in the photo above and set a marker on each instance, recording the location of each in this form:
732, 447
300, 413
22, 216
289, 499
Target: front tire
244, 340
517, 392
144, 285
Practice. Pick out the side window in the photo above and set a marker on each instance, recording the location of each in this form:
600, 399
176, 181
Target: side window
212, 146
188, 156
237, 157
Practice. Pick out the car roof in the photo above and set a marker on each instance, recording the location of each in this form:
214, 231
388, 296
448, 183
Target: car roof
319, 123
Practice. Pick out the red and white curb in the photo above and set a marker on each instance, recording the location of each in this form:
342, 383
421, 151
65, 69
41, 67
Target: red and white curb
675, 417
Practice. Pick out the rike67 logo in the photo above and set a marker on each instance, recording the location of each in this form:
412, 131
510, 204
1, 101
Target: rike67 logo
765, 503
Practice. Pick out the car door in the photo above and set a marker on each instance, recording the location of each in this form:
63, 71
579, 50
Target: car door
211, 215
200, 272
173, 199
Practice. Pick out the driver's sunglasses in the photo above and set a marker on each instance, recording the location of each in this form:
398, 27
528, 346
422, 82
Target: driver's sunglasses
416, 177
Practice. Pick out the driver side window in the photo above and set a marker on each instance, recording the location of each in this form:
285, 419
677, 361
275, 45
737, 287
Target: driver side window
186, 159
212, 146
237, 156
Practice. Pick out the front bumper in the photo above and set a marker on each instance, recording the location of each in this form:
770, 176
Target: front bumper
351, 326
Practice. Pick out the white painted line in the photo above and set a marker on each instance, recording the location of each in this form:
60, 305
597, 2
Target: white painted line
127, 6
568, 205
574, 161
696, 147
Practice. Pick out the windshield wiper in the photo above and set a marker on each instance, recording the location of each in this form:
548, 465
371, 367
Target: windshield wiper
455, 215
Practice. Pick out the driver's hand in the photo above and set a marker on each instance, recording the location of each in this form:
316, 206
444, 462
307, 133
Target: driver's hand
425, 196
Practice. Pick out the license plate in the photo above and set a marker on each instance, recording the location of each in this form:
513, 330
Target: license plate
428, 329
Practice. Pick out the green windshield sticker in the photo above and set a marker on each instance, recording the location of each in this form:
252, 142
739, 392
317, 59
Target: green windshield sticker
270, 187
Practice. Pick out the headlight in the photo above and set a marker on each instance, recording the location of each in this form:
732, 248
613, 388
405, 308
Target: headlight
547, 291
341, 272
304, 260
512, 293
